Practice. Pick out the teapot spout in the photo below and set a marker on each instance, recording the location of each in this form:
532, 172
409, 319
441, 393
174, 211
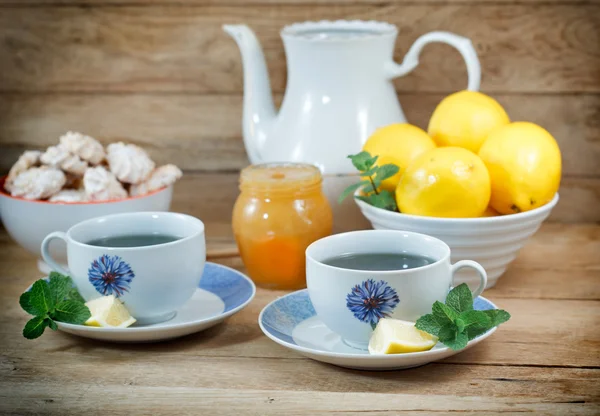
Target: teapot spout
258, 111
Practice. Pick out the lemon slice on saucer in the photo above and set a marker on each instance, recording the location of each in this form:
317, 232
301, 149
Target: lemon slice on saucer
108, 311
393, 336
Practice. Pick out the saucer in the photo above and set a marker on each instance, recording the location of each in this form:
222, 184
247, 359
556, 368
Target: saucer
291, 321
222, 292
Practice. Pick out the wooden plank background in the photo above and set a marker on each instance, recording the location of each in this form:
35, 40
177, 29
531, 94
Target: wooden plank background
162, 73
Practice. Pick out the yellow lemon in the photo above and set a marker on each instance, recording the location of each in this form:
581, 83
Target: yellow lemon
445, 182
490, 212
398, 144
108, 311
465, 119
393, 336
525, 166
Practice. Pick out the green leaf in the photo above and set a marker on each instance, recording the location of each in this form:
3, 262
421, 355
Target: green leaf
34, 328
497, 316
385, 199
452, 338
460, 298
25, 302
386, 171
59, 286
363, 161
460, 325
41, 298
350, 189
474, 332
478, 319
74, 295
443, 314
429, 324
364, 198
52, 324
71, 312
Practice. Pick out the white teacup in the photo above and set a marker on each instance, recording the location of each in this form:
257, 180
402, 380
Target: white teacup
341, 297
153, 281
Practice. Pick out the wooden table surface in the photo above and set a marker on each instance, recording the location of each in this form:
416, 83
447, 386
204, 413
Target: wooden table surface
545, 360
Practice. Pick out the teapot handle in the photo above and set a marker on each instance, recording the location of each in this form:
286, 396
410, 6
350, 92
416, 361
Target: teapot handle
464, 46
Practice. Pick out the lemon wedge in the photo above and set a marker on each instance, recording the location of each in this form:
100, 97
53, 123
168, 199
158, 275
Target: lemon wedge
108, 311
393, 336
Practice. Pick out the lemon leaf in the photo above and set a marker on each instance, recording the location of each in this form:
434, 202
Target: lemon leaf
386, 171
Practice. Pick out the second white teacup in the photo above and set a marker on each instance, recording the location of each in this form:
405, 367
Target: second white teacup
351, 302
153, 278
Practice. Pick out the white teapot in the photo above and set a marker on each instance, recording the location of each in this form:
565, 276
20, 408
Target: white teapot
339, 89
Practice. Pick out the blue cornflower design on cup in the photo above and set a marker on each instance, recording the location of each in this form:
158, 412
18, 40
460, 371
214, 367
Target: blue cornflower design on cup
370, 301
110, 275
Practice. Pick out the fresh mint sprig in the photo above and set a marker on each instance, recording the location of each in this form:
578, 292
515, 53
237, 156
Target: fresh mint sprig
456, 322
51, 301
372, 194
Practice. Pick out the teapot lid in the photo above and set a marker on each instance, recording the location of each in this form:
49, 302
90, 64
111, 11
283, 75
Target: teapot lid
338, 30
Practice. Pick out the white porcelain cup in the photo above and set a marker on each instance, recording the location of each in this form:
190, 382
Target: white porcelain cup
152, 281
351, 302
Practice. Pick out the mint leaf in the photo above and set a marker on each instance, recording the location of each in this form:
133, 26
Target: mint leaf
386, 171
35, 327
385, 199
71, 312
41, 298
59, 286
452, 338
25, 302
497, 316
429, 324
363, 161
350, 189
474, 332
460, 325
460, 298
52, 324
477, 319
443, 314
74, 295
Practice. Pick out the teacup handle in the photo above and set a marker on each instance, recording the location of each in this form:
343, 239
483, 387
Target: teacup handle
46, 252
480, 270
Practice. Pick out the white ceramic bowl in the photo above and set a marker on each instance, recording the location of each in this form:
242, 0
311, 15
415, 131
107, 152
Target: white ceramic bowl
491, 241
28, 222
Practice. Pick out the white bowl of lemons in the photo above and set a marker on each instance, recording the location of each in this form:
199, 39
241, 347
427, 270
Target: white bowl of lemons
475, 180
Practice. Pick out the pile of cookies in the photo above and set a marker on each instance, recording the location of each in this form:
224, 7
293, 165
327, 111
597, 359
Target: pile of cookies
80, 169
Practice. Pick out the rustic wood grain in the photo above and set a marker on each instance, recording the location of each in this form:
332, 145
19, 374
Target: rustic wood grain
251, 3
181, 48
203, 132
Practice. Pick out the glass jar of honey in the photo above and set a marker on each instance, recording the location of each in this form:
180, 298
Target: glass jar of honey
280, 211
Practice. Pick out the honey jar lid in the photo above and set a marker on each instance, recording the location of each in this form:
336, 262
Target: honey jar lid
280, 176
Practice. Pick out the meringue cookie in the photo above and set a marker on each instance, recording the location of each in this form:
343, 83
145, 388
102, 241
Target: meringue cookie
58, 156
38, 183
69, 195
28, 159
86, 147
102, 185
159, 178
129, 163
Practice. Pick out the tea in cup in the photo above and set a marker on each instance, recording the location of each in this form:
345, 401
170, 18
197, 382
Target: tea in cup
152, 261
356, 278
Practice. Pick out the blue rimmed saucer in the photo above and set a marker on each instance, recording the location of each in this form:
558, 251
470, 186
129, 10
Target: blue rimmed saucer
291, 321
222, 292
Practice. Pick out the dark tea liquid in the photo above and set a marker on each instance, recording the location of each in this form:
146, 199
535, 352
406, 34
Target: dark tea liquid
379, 261
136, 240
